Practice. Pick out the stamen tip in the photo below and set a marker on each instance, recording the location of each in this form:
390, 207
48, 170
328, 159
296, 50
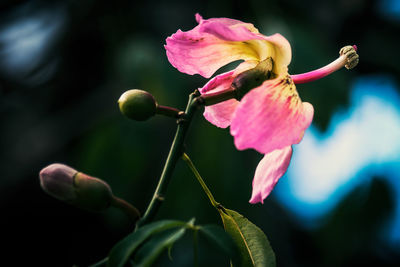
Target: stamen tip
350, 52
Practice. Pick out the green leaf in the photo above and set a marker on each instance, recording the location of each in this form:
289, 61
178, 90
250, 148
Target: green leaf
222, 240
123, 250
151, 250
254, 247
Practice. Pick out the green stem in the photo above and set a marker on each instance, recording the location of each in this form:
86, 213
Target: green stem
168, 111
173, 157
132, 212
186, 158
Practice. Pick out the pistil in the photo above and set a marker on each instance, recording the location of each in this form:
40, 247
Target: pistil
348, 58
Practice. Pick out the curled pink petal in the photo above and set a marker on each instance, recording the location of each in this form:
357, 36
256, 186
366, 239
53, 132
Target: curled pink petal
275, 46
221, 114
270, 169
218, 83
271, 117
225, 21
193, 52
219, 41
223, 81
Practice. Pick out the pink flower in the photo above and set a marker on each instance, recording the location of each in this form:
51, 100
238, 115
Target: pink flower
269, 118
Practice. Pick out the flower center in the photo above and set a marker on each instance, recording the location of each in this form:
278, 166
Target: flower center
253, 78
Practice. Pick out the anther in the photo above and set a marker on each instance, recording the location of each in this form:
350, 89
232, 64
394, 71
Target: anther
351, 55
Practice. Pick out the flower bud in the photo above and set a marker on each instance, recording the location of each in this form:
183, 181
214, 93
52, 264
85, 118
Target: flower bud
58, 181
137, 104
76, 188
253, 78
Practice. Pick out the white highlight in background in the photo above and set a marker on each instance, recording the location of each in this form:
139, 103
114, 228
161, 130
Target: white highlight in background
361, 142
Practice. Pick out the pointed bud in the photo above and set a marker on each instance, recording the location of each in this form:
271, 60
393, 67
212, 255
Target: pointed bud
58, 181
137, 104
76, 188
253, 78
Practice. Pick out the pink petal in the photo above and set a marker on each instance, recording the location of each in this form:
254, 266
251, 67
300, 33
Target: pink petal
269, 170
219, 83
219, 41
225, 21
221, 114
271, 117
230, 30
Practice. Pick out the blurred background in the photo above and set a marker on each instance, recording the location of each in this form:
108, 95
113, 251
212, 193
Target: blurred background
64, 64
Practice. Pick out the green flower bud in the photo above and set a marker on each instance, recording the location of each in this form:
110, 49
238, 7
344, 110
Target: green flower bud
253, 78
137, 104
92, 193
76, 188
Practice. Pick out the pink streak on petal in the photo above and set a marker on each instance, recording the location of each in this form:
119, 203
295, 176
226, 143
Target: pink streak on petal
271, 117
270, 169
